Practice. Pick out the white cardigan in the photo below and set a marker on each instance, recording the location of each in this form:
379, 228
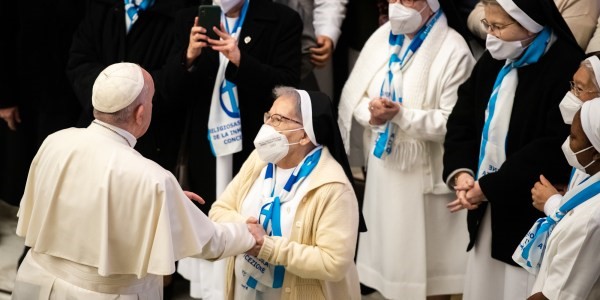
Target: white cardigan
443, 63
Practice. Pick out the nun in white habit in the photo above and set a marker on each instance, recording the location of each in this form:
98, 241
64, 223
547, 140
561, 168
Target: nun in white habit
567, 264
401, 91
584, 87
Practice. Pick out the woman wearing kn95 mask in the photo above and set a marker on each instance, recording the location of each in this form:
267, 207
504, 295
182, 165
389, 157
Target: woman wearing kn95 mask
584, 87
297, 185
562, 249
505, 130
401, 91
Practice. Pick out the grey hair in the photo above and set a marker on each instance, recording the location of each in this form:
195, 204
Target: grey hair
588, 65
291, 93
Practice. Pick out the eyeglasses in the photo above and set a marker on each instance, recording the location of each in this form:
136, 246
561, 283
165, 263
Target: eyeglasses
578, 91
277, 118
494, 28
404, 2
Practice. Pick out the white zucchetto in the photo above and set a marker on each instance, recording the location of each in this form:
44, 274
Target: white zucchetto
117, 86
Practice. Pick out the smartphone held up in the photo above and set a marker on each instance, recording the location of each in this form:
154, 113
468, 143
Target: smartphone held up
209, 16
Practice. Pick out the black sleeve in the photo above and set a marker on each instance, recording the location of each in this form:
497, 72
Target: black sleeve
541, 156
463, 136
284, 69
173, 81
85, 64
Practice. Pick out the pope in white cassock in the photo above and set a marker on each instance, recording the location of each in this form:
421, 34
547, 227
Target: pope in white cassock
102, 221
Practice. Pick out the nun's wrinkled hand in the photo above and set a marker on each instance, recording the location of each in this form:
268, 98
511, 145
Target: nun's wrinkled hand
258, 233
475, 195
226, 45
460, 202
388, 110
375, 107
463, 182
197, 42
541, 192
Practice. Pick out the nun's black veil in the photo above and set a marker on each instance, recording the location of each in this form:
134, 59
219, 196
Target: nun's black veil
328, 134
545, 13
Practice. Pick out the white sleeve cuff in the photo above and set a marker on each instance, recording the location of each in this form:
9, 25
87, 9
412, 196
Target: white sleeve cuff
552, 204
450, 179
331, 32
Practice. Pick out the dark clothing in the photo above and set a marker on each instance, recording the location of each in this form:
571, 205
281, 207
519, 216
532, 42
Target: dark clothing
101, 40
270, 58
37, 36
533, 145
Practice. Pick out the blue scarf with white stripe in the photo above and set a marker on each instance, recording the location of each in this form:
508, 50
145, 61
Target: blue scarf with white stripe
492, 152
258, 273
530, 252
391, 88
132, 9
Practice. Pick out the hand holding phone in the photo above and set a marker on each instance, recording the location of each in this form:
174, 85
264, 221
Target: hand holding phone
198, 40
209, 16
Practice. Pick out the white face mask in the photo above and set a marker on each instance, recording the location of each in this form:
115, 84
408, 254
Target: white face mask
227, 5
569, 105
404, 19
501, 50
271, 144
572, 156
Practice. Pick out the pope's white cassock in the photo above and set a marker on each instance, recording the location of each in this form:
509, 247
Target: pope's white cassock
103, 222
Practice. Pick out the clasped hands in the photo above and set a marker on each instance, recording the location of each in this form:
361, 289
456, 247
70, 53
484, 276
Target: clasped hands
468, 193
198, 40
382, 110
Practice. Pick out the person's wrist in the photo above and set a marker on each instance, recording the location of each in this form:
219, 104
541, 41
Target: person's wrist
190, 58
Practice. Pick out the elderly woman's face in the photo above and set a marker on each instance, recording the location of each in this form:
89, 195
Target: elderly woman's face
284, 118
583, 85
503, 26
284, 110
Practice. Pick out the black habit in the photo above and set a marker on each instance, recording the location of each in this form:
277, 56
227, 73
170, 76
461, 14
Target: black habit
101, 40
533, 145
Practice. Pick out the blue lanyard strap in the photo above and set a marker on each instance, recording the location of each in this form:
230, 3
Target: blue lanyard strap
415, 44
239, 22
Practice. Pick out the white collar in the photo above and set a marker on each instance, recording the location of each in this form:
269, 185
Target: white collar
126, 135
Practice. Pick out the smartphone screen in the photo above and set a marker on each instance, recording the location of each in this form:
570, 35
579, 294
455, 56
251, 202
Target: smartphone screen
209, 16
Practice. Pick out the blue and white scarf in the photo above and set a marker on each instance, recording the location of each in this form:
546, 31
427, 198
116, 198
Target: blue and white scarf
224, 122
258, 274
391, 88
530, 253
132, 8
492, 152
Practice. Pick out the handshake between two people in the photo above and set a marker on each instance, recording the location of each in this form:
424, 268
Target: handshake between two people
254, 227
468, 193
